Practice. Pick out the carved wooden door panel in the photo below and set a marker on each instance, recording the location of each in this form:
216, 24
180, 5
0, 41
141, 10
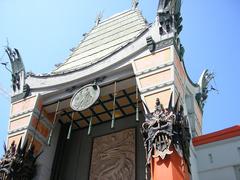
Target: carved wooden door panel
113, 156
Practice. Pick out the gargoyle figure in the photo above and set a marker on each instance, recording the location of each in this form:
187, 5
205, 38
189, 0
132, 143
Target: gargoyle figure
18, 163
166, 128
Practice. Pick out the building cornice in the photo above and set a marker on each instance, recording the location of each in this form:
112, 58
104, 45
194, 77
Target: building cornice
217, 136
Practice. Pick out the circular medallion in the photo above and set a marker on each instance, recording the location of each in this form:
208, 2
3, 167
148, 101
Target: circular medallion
85, 97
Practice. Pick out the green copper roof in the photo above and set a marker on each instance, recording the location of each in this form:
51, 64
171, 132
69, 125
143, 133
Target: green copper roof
104, 39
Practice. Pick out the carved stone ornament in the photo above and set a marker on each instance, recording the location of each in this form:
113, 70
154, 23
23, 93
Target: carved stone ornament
18, 163
164, 129
85, 97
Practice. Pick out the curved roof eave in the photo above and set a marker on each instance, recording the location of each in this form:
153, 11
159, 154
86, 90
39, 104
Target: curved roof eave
121, 54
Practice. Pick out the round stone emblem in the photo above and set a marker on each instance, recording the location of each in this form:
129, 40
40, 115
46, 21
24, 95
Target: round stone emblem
85, 97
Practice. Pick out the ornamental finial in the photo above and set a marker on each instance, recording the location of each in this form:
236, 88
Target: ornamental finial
134, 4
99, 18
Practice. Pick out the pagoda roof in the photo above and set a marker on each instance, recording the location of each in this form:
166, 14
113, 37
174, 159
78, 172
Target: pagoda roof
104, 39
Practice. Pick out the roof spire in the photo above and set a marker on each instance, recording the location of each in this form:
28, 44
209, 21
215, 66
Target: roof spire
134, 4
98, 18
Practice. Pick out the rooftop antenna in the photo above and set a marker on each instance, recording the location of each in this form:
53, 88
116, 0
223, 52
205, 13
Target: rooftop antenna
99, 18
1, 58
134, 4
7, 42
5, 64
4, 92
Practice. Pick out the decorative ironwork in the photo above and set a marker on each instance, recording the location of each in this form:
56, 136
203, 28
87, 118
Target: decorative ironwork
70, 126
164, 129
18, 163
54, 121
114, 104
137, 104
126, 109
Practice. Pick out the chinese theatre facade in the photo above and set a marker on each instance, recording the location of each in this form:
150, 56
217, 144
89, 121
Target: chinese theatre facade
122, 106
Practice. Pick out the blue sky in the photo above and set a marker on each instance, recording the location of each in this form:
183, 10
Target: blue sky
44, 31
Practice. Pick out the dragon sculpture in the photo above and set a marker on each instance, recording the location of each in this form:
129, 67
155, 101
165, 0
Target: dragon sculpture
18, 163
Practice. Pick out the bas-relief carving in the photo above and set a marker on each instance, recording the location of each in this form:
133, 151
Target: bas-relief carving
113, 156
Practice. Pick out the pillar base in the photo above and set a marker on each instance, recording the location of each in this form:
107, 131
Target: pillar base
173, 167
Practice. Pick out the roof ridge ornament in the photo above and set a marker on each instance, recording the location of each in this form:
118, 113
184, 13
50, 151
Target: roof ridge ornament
134, 4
